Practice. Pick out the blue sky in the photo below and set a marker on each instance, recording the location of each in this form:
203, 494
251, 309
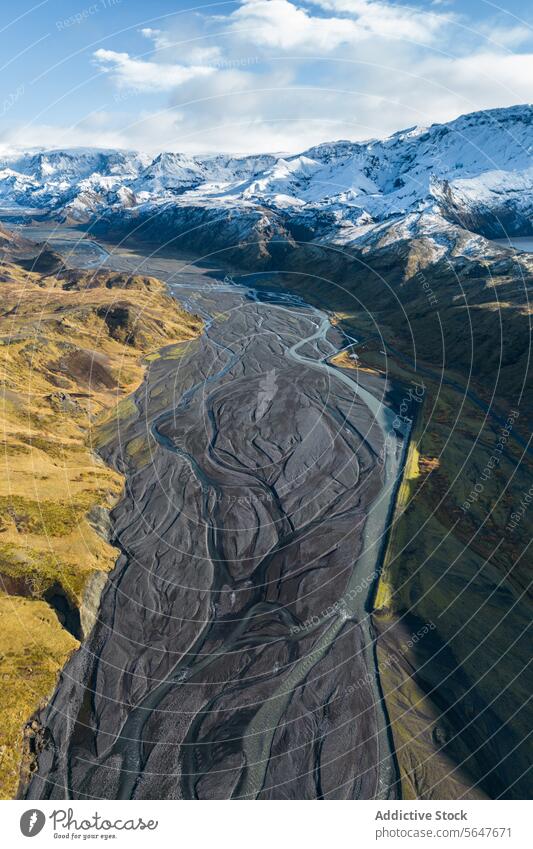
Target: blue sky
252, 75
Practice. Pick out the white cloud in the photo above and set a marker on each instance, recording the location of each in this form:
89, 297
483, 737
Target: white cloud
140, 75
249, 79
283, 25
483, 80
101, 129
159, 38
187, 44
280, 24
237, 111
388, 20
501, 36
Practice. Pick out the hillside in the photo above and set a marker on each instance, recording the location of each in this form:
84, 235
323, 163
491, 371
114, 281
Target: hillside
71, 350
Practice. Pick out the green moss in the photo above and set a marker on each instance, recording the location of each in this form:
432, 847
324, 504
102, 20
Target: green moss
173, 352
138, 449
34, 572
106, 429
46, 518
49, 446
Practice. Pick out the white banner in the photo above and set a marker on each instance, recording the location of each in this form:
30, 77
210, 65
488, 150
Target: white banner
283, 824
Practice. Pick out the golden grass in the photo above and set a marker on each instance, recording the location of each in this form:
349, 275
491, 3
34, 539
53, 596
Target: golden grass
65, 368
33, 647
344, 360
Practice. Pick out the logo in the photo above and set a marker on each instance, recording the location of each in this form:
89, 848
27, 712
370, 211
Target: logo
32, 822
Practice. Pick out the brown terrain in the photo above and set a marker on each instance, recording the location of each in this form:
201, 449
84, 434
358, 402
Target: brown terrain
72, 349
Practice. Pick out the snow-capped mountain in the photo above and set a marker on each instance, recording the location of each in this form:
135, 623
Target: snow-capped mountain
475, 172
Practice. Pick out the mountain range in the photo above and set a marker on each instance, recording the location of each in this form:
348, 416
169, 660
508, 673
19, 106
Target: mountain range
474, 173
397, 232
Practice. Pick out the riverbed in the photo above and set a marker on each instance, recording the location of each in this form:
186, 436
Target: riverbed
233, 655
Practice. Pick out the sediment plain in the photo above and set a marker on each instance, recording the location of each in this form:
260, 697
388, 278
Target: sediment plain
233, 655
441, 716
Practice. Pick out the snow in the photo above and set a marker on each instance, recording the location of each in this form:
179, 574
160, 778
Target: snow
344, 191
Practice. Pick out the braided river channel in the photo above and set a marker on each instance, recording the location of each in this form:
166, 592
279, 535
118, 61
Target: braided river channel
233, 652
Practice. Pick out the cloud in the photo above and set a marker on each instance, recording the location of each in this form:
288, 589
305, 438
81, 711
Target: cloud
283, 25
388, 20
483, 80
240, 112
280, 24
285, 74
139, 75
188, 44
101, 129
502, 36
160, 39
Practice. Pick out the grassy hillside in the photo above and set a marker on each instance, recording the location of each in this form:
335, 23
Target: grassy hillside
72, 346
468, 316
452, 609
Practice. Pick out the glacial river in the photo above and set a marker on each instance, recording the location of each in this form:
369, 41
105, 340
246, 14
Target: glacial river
233, 654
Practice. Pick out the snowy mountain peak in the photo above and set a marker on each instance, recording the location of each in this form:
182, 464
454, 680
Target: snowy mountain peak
475, 167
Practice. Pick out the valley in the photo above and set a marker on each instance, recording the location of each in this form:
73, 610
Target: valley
307, 513
255, 537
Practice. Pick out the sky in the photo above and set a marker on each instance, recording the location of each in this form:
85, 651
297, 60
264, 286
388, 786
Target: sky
252, 75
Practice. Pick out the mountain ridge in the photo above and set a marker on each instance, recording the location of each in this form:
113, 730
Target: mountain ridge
474, 172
